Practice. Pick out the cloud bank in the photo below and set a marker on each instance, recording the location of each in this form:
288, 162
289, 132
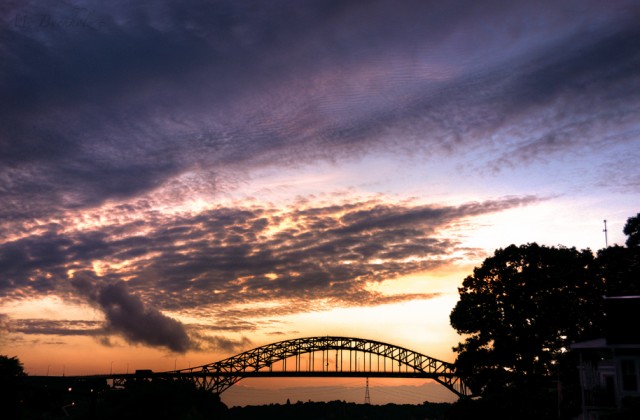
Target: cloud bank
243, 254
227, 255
150, 91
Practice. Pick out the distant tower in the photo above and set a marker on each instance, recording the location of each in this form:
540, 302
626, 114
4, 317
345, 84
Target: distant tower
606, 240
367, 397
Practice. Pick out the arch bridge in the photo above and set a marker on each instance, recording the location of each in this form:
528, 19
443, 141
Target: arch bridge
315, 357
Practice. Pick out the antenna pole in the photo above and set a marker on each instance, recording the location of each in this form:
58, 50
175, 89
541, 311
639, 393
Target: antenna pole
606, 240
367, 397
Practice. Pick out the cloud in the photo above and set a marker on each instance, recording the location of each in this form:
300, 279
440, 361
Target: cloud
57, 327
147, 93
217, 343
128, 316
120, 111
580, 96
199, 335
233, 255
5, 322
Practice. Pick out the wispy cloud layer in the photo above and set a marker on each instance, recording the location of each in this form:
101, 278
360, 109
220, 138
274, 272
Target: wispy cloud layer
154, 90
56, 327
244, 253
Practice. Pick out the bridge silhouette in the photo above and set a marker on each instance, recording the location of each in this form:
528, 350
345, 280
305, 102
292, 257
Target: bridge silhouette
308, 357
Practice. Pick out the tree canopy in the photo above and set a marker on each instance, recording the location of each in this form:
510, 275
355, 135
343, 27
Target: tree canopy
520, 310
11, 371
619, 267
10, 368
632, 230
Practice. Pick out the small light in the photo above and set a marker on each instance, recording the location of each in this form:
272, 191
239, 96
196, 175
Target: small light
70, 389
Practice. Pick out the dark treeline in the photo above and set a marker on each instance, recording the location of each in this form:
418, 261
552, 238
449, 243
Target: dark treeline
60, 398
69, 398
340, 410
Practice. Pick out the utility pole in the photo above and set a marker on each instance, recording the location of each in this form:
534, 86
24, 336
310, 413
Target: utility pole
367, 397
606, 240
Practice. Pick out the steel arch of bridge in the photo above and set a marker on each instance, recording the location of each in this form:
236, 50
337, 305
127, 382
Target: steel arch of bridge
259, 362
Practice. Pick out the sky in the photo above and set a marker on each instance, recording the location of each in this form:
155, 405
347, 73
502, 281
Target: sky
185, 180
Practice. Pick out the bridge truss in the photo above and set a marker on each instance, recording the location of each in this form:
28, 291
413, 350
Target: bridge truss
320, 357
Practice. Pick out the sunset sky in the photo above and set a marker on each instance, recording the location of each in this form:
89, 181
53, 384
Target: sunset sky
184, 180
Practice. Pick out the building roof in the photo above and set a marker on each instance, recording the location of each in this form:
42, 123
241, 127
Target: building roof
601, 343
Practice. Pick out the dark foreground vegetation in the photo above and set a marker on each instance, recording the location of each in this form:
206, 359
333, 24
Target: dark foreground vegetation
68, 398
340, 410
174, 400
522, 310
65, 398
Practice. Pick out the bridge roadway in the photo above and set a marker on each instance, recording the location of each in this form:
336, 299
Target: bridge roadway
308, 357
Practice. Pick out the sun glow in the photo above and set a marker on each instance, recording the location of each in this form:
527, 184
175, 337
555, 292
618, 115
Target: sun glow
49, 307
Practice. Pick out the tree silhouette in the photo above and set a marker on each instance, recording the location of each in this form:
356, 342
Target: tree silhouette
11, 371
632, 230
520, 310
10, 368
618, 266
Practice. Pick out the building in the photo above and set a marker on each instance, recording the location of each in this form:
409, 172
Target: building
610, 366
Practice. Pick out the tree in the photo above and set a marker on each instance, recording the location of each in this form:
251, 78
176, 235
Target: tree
619, 267
11, 372
10, 368
632, 230
520, 310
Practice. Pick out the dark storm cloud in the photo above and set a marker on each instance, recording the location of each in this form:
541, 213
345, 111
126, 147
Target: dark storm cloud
127, 315
141, 92
200, 337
